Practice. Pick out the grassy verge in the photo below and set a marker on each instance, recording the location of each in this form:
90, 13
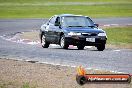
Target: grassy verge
43, 1
120, 36
43, 8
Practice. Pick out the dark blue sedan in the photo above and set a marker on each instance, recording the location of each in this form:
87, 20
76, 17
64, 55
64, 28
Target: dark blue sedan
69, 29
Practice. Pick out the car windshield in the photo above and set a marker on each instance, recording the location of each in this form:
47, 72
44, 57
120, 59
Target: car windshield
77, 21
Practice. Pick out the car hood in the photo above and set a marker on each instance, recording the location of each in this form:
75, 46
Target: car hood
84, 30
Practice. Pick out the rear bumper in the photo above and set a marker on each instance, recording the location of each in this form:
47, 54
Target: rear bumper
76, 40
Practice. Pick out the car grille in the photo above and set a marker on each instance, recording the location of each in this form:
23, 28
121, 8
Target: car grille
89, 34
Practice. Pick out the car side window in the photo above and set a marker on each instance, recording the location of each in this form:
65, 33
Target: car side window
47, 23
52, 20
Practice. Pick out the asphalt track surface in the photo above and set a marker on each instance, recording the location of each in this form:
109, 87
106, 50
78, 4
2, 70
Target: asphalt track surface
110, 59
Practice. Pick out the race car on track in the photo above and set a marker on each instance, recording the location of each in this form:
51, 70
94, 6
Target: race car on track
69, 29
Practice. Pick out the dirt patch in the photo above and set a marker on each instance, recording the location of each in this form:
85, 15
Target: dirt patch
15, 74
33, 35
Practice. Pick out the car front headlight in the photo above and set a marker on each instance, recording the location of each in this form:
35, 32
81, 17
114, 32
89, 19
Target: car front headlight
73, 33
102, 34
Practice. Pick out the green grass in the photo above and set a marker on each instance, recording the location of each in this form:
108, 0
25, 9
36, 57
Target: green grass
4, 84
34, 1
119, 35
26, 85
42, 9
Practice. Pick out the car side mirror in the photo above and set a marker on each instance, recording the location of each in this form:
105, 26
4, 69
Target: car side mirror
57, 23
97, 25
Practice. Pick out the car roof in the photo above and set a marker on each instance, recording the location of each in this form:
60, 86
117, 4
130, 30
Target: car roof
62, 15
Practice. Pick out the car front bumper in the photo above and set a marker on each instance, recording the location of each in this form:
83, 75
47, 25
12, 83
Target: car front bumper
76, 40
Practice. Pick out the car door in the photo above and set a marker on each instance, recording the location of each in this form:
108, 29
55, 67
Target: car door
56, 30
49, 30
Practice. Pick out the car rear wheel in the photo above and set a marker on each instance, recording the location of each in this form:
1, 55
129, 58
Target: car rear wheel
63, 43
44, 43
101, 47
80, 47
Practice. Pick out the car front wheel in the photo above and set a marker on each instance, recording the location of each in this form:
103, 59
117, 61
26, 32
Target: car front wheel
44, 43
101, 47
63, 43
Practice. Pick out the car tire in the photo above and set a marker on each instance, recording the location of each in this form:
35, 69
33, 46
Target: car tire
63, 43
44, 43
80, 47
101, 47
